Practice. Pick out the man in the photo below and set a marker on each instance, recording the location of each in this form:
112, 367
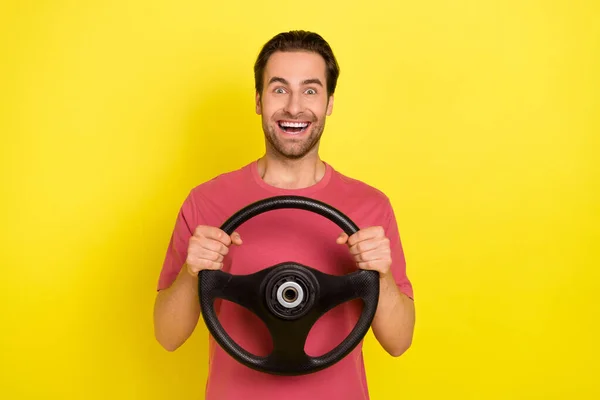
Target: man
296, 75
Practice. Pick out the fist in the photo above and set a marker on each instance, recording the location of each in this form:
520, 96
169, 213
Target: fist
207, 248
370, 248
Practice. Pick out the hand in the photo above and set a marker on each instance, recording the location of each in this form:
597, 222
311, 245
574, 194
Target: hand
370, 248
207, 248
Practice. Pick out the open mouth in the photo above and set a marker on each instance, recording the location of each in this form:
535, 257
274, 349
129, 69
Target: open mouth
293, 128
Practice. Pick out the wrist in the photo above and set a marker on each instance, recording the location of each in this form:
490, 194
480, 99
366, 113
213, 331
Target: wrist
386, 276
186, 276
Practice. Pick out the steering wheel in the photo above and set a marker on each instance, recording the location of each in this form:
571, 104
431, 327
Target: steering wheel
289, 297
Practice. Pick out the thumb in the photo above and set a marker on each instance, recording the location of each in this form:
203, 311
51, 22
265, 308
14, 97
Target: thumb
236, 238
342, 238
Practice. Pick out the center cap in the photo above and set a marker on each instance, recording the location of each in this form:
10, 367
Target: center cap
290, 291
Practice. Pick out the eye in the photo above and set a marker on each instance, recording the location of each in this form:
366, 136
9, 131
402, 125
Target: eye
279, 90
311, 91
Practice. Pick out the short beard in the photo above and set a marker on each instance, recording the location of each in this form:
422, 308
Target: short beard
298, 150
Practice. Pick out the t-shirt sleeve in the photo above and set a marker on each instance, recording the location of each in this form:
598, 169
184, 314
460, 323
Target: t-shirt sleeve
176, 254
398, 267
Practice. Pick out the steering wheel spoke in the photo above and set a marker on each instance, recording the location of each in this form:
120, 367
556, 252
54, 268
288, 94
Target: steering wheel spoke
289, 338
239, 289
335, 290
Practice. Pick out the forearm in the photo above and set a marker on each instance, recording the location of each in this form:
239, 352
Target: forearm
176, 311
394, 320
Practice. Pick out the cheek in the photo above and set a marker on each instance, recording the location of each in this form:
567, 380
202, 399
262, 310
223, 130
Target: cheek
320, 112
322, 106
270, 107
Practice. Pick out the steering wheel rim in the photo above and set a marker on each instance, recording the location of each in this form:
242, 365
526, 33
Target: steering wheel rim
288, 326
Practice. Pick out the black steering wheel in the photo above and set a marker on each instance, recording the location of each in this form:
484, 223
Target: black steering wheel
289, 298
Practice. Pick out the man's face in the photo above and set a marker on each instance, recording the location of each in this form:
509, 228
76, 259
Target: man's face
294, 102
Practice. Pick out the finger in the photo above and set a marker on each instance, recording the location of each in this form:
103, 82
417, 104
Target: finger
342, 238
209, 255
377, 254
373, 265
366, 234
199, 264
210, 232
371, 255
195, 265
383, 244
208, 244
194, 268
365, 246
236, 238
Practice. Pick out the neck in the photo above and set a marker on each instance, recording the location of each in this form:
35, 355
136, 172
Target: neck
291, 174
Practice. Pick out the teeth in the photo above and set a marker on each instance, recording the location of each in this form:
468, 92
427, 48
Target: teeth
294, 124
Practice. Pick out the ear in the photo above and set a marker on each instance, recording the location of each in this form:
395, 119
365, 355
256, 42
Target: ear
258, 105
330, 105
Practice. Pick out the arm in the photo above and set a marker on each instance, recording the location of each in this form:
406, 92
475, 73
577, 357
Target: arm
379, 248
193, 247
176, 311
394, 321
176, 307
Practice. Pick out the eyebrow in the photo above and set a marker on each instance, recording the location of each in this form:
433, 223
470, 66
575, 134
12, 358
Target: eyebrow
305, 82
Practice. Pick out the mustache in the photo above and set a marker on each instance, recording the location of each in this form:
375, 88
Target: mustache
299, 117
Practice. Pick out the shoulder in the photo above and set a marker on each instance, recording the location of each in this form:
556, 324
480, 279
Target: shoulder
223, 184
218, 193
362, 201
356, 188
213, 200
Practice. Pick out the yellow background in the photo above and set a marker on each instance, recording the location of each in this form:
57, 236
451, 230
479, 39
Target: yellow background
478, 119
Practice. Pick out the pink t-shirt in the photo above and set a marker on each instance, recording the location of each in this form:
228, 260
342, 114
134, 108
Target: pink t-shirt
270, 238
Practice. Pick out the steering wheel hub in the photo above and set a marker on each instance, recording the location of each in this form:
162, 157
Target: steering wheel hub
290, 291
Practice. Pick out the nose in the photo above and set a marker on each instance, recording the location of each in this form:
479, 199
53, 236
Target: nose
294, 104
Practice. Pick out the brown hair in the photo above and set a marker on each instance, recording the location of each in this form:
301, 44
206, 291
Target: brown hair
298, 41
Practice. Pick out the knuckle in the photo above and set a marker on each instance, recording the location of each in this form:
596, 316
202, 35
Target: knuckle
206, 244
205, 262
225, 238
212, 245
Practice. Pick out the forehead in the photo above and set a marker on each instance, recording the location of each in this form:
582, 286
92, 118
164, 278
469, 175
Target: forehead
295, 66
